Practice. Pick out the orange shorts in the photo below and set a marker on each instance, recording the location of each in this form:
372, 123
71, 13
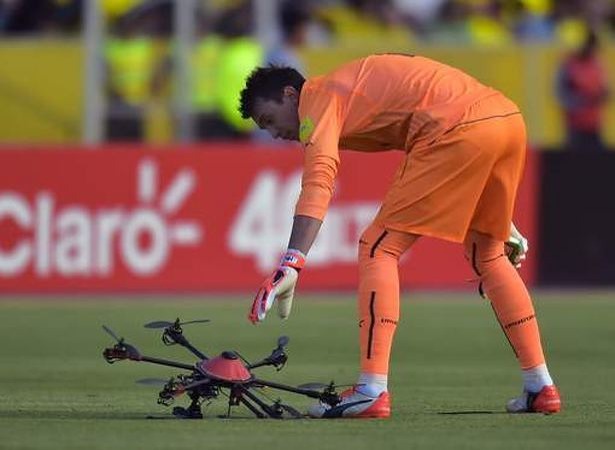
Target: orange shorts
466, 179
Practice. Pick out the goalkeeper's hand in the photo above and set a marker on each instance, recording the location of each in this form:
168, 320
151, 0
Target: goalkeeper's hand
516, 247
278, 286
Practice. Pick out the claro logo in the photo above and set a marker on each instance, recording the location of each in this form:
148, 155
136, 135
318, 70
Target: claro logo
79, 241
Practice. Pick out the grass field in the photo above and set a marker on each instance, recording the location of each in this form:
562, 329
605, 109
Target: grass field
452, 372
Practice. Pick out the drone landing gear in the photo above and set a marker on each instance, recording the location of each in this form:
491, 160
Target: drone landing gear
191, 412
187, 413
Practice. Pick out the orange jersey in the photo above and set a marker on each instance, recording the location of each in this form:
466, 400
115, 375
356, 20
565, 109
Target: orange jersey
378, 103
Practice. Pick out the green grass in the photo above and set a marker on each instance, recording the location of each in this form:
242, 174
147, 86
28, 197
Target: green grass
56, 391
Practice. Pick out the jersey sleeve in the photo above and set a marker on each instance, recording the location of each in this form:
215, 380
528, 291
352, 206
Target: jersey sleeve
320, 127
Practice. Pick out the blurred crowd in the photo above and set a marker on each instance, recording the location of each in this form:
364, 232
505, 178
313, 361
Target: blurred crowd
480, 22
138, 49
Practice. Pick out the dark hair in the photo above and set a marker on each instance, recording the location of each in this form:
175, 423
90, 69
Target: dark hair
267, 83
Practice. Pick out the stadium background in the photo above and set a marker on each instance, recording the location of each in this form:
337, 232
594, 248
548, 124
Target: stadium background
130, 191
59, 87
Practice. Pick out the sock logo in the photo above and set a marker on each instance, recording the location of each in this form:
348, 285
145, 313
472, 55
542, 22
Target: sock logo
383, 321
519, 322
386, 321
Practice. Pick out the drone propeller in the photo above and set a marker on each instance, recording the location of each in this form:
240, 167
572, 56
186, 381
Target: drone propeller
166, 323
277, 358
152, 381
125, 350
112, 334
283, 341
313, 386
318, 386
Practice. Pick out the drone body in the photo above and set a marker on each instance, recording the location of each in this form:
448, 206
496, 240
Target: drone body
226, 367
209, 377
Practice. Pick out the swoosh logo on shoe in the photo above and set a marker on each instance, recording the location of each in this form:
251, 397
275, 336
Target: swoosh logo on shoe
338, 411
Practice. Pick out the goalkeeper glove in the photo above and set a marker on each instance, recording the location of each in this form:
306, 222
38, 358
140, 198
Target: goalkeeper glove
517, 247
278, 286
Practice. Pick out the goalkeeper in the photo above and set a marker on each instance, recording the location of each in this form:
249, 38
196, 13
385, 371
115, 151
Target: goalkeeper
464, 147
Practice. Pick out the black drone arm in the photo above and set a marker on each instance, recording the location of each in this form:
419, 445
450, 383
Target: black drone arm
283, 387
174, 335
277, 359
166, 362
120, 352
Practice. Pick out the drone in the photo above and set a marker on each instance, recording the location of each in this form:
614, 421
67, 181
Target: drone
229, 374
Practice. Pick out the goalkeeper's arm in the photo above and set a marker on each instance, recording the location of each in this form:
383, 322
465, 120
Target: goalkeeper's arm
304, 232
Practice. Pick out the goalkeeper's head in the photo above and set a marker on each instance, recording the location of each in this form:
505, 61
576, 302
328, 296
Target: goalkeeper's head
271, 99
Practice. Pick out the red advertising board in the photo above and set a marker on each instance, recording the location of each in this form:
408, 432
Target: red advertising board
204, 218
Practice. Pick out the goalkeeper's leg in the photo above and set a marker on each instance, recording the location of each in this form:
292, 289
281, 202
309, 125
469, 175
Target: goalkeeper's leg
513, 308
379, 252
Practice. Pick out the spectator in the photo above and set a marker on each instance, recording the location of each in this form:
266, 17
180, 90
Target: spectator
534, 22
35, 16
223, 57
367, 20
478, 22
419, 12
485, 24
294, 20
450, 28
223, 54
205, 59
582, 91
130, 61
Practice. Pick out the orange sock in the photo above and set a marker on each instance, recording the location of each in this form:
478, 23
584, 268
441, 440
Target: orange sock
509, 297
379, 252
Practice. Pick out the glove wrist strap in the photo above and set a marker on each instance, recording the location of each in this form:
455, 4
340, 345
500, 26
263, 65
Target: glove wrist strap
293, 258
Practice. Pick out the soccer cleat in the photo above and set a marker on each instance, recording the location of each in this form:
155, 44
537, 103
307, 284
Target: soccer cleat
547, 401
354, 405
